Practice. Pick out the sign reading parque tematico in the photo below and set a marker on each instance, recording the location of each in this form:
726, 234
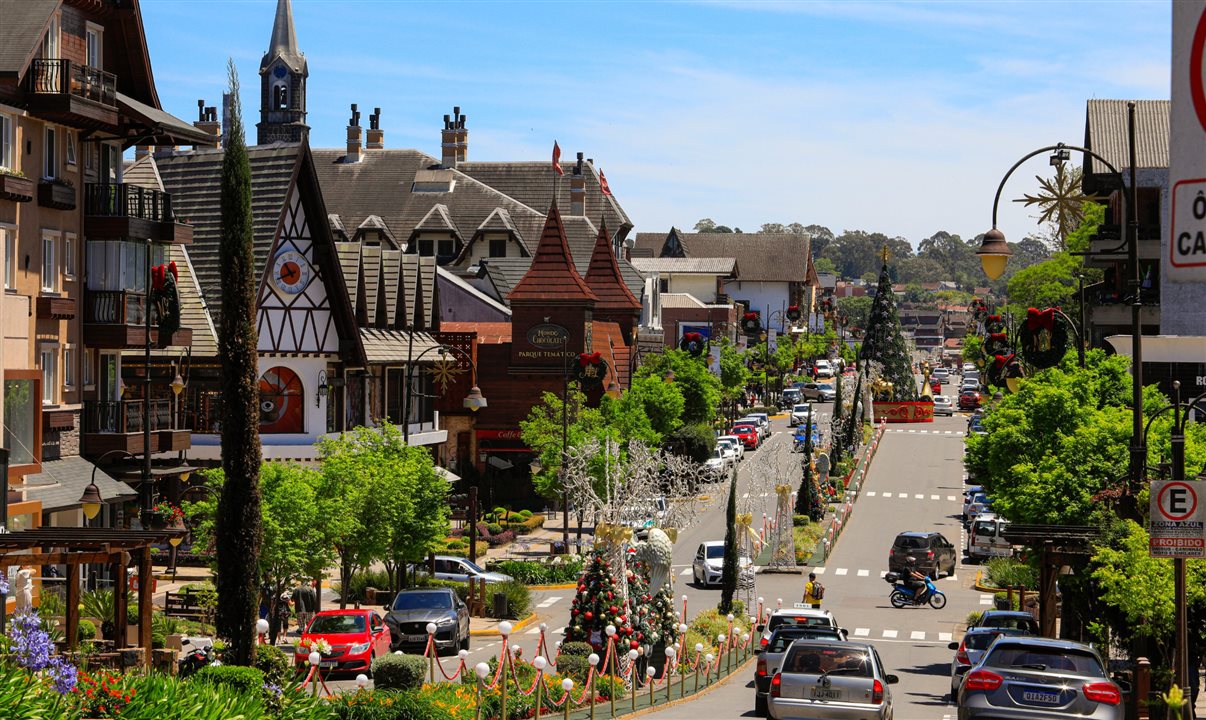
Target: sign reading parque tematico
1178, 519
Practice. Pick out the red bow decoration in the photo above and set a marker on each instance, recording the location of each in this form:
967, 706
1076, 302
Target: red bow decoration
689, 337
1001, 361
586, 359
794, 308
1001, 337
159, 275
750, 316
994, 318
1036, 319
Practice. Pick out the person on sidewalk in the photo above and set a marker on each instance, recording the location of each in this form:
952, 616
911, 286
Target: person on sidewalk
814, 591
304, 602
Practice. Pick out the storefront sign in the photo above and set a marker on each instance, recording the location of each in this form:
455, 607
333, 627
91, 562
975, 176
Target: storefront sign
548, 336
1187, 167
514, 434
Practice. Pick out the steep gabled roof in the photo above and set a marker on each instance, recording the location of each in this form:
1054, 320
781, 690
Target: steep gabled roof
437, 219
25, 22
1106, 134
349, 263
766, 257
284, 40
604, 279
374, 223
552, 275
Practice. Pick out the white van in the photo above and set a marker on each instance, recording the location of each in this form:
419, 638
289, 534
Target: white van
987, 538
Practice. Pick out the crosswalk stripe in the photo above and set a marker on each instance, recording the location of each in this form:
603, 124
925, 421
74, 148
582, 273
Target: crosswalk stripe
871, 493
944, 637
883, 573
549, 602
986, 599
953, 578
685, 572
819, 570
862, 632
864, 573
917, 635
533, 631
840, 571
934, 497
887, 495
889, 633
919, 497
950, 498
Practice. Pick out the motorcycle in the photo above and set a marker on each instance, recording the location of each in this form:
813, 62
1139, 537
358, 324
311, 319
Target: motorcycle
196, 653
903, 595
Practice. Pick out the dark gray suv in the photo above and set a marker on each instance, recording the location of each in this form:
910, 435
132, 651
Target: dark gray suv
407, 617
935, 555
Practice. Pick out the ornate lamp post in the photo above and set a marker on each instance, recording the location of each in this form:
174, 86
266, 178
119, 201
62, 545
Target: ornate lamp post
474, 401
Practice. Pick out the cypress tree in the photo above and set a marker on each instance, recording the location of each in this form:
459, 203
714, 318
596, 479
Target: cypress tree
836, 436
238, 531
884, 342
728, 574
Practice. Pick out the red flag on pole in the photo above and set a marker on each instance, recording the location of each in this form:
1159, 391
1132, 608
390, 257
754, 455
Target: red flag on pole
603, 184
557, 159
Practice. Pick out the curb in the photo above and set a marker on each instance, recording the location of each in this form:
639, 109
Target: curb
516, 627
562, 586
985, 588
692, 696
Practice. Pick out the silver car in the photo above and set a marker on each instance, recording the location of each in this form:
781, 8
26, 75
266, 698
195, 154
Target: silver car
971, 650
826, 680
1031, 678
772, 651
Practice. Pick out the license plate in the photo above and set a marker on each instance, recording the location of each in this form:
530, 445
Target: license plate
823, 693
416, 638
329, 663
1040, 697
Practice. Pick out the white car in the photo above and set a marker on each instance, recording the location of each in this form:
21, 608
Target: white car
943, 405
709, 563
800, 614
764, 419
941, 374
720, 462
736, 443
800, 415
757, 423
969, 367
824, 369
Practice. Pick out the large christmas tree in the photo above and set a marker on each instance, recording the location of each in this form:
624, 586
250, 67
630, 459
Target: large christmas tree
884, 343
597, 605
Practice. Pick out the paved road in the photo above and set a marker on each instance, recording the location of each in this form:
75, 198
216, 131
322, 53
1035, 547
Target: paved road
914, 484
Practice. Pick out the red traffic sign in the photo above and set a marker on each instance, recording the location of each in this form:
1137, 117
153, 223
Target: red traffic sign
1178, 520
1177, 500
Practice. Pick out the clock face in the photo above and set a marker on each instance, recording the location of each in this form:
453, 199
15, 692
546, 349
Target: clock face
291, 272
279, 71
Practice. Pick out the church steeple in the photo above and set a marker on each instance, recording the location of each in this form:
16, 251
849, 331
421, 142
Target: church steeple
283, 73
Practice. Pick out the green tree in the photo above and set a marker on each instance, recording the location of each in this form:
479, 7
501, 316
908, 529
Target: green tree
660, 402
857, 310
884, 342
542, 431
734, 373
825, 266
238, 527
728, 572
699, 387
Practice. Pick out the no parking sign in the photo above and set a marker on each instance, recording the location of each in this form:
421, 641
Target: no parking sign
1178, 519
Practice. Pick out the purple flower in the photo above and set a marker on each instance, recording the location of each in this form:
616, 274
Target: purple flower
3, 584
273, 689
64, 675
30, 643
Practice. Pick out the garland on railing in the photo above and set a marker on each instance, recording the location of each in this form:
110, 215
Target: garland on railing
166, 296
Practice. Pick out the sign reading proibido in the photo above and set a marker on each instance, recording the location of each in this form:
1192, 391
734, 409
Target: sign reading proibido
1178, 519
1187, 162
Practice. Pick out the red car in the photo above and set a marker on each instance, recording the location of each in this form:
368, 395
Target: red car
747, 434
356, 638
969, 400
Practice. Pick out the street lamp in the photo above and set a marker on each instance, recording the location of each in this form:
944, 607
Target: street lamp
994, 254
91, 501
474, 401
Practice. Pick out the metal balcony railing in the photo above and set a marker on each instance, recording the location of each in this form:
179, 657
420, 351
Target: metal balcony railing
125, 416
116, 307
124, 200
63, 77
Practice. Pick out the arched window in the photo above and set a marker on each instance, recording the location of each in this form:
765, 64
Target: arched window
280, 97
282, 402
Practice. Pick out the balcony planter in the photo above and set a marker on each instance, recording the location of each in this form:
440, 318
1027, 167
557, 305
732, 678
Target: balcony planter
904, 412
17, 189
56, 195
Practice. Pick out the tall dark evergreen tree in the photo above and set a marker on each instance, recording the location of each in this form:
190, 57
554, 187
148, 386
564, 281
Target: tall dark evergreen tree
808, 499
238, 533
836, 437
854, 424
728, 574
885, 343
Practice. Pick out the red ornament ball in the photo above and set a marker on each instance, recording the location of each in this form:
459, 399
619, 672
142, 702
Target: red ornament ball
589, 615
634, 644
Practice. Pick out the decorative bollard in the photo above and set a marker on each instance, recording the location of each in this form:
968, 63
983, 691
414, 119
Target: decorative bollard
698, 654
649, 673
315, 660
611, 661
481, 670
504, 629
568, 686
431, 647
539, 663
708, 669
361, 681
593, 670
684, 608
632, 658
669, 668
261, 629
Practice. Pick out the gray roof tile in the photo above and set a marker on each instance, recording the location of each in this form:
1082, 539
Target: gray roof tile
1106, 134
767, 257
61, 484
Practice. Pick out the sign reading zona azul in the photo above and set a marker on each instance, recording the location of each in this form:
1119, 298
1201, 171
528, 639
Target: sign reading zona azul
1178, 520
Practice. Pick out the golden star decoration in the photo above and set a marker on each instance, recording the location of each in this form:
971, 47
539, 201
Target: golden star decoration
1061, 200
445, 372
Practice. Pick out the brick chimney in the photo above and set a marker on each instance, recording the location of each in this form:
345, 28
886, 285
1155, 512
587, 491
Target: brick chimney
375, 137
354, 153
454, 139
207, 121
578, 189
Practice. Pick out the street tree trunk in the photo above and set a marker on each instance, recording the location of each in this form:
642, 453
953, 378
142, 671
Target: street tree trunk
238, 532
728, 574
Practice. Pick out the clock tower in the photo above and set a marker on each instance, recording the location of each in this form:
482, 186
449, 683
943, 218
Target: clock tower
283, 73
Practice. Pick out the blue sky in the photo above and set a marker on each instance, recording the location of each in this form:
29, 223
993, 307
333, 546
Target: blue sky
897, 117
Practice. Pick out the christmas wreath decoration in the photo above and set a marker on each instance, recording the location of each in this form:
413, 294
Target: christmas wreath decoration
793, 313
1044, 337
996, 343
591, 370
979, 310
164, 293
751, 323
1002, 367
994, 324
693, 342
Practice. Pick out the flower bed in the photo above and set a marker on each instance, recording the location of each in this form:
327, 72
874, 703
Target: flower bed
537, 572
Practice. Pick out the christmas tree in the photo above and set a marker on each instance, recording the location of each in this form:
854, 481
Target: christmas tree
808, 499
596, 605
651, 614
883, 341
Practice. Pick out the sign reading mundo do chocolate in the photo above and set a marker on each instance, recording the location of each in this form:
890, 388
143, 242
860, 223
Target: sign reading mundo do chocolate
549, 341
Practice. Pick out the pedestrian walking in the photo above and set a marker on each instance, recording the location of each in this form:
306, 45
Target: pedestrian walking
304, 602
814, 591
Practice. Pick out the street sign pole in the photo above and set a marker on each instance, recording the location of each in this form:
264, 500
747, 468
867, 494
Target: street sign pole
1181, 645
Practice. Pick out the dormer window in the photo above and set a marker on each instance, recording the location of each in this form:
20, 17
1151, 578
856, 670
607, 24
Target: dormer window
498, 247
433, 181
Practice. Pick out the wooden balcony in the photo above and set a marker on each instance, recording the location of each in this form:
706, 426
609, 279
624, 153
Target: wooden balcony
17, 189
72, 94
56, 308
56, 195
120, 210
116, 319
119, 425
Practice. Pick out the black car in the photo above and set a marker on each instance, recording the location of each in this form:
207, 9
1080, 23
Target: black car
932, 551
407, 617
1008, 619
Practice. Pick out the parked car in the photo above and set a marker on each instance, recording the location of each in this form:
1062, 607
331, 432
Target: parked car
798, 615
407, 617
943, 405
980, 503
969, 494
451, 567
971, 649
932, 551
1008, 619
968, 368
986, 538
357, 637
822, 369
772, 651
709, 562
718, 465
764, 419
818, 392
790, 397
730, 448
747, 433
941, 374
823, 680
757, 423
1039, 679
969, 400
735, 442
799, 415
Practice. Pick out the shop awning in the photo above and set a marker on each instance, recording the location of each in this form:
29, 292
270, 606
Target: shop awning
166, 128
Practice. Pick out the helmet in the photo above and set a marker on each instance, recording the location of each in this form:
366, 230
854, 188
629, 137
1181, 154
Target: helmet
911, 559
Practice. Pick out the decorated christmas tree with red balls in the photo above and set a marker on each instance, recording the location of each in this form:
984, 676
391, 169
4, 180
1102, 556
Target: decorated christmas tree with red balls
597, 604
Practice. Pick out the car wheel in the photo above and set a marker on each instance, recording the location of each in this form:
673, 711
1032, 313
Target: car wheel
372, 657
465, 643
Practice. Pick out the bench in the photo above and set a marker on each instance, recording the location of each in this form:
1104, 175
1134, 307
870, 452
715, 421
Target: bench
183, 605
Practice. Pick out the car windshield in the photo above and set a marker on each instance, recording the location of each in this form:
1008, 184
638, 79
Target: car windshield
714, 551
800, 409
336, 624
1073, 662
423, 601
815, 658
797, 621
783, 639
979, 641
1019, 622
825, 386
909, 542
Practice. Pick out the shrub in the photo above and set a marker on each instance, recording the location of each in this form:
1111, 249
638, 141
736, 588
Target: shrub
482, 547
973, 617
693, 441
531, 572
519, 597
524, 525
501, 538
386, 705
524, 514
494, 528
399, 672
1011, 572
576, 649
85, 631
274, 663
247, 680
364, 579
457, 544
573, 666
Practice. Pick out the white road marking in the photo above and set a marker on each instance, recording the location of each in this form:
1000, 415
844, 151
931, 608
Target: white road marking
918, 497
819, 570
944, 637
883, 573
935, 497
986, 599
871, 493
862, 632
864, 573
889, 633
950, 498
948, 432
533, 631
686, 572
549, 602
840, 571
917, 635
912, 431
887, 495
953, 578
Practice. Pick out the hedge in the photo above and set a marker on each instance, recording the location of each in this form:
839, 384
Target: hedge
247, 680
532, 572
399, 672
